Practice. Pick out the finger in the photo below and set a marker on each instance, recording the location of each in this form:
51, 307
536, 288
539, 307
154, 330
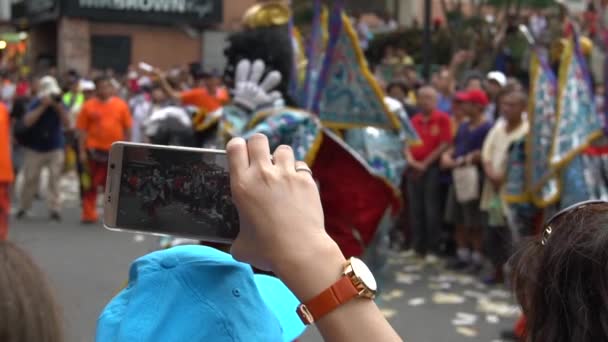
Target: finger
257, 70
274, 96
238, 158
271, 81
242, 71
259, 150
302, 168
284, 158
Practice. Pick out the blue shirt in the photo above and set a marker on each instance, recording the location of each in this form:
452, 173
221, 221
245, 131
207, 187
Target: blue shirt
444, 104
468, 140
46, 134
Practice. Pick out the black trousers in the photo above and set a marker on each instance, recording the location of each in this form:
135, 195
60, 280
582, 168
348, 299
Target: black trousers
424, 201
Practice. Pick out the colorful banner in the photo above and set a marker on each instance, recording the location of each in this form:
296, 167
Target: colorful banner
543, 185
314, 55
515, 189
574, 183
348, 95
577, 120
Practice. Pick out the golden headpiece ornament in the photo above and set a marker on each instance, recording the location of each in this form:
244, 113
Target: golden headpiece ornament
267, 14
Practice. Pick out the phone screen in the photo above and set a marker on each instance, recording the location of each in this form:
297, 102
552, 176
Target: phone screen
176, 192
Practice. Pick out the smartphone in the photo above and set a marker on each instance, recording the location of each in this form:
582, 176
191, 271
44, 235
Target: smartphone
170, 190
145, 67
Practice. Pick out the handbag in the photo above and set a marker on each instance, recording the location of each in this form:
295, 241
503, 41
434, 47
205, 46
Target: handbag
466, 183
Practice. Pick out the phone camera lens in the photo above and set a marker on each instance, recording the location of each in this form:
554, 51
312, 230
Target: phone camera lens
112, 166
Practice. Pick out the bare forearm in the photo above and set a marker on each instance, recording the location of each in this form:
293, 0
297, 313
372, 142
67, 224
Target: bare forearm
357, 320
63, 114
434, 156
169, 89
33, 116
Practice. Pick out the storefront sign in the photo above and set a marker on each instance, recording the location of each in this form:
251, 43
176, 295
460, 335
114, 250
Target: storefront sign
202, 12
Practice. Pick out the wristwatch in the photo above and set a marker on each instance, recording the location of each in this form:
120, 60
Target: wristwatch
357, 281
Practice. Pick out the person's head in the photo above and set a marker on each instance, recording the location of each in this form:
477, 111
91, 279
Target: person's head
87, 87
398, 90
512, 104
442, 82
71, 80
177, 294
389, 51
472, 79
410, 74
201, 78
561, 278
401, 52
475, 102
427, 99
48, 87
458, 110
473, 83
157, 94
104, 87
495, 82
29, 311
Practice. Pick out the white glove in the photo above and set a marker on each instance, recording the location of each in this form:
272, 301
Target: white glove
249, 92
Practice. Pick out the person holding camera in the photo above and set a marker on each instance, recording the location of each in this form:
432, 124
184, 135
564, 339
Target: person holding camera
41, 135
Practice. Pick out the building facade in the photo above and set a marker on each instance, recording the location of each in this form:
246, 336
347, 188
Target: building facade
113, 34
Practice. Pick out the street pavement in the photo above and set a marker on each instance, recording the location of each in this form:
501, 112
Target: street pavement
87, 265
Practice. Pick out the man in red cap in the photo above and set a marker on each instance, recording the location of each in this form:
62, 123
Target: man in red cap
463, 209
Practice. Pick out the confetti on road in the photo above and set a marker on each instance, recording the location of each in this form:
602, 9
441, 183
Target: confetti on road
440, 286
502, 309
463, 318
406, 278
474, 294
447, 298
412, 268
466, 331
496, 293
416, 301
492, 319
393, 294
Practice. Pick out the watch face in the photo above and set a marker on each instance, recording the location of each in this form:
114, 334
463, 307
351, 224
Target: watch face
362, 272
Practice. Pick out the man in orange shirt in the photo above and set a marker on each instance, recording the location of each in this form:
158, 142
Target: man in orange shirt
198, 97
102, 121
6, 170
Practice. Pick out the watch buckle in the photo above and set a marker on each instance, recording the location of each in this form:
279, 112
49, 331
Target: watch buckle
305, 314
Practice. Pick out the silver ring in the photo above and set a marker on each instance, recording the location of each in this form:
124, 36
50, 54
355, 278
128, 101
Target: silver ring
305, 169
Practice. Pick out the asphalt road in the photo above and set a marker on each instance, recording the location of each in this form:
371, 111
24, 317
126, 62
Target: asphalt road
87, 265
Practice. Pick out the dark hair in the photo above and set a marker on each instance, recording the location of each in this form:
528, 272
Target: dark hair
510, 91
270, 44
398, 84
562, 285
29, 311
101, 79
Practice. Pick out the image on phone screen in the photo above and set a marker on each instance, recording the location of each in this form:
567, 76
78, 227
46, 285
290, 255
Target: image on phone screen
176, 192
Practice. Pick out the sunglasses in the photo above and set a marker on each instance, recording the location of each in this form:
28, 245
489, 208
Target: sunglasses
548, 229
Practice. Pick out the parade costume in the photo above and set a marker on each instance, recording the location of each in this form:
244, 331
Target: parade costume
328, 108
557, 165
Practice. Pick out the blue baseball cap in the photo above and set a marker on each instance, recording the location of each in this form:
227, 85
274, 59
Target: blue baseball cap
198, 293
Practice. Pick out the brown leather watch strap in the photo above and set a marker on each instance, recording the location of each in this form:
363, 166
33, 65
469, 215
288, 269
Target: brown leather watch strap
339, 293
